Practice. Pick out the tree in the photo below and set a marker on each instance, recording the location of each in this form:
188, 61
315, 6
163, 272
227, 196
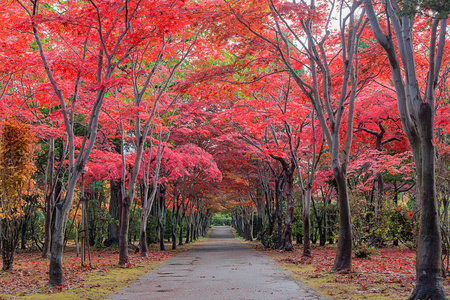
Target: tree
416, 105
17, 144
301, 36
149, 197
97, 54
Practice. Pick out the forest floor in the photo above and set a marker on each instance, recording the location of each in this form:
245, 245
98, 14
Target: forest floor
29, 278
387, 274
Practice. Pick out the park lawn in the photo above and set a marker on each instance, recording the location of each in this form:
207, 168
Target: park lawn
387, 274
30, 277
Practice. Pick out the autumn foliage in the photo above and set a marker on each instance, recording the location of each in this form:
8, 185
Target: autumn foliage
17, 145
285, 116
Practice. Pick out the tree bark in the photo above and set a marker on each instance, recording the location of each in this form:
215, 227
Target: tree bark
343, 260
50, 200
287, 237
113, 228
180, 243
162, 217
188, 230
124, 220
278, 212
306, 223
175, 219
10, 239
428, 261
56, 275
148, 201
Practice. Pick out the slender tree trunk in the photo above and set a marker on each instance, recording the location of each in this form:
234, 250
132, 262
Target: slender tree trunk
445, 203
194, 228
146, 209
113, 228
143, 235
323, 233
175, 219
49, 200
10, 240
180, 243
188, 229
162, 217
287, 238
162, 247
125, 206
7, 256
378, 193
174, 235
306, 222
23, 234
251, 224
278, 207
247, 224
47, 231
192, 238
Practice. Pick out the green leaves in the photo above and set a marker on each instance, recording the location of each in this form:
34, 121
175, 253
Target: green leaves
439, 8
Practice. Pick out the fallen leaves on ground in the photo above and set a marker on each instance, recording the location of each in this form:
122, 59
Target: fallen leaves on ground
30, 272
387, 274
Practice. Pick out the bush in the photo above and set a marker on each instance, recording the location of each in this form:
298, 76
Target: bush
363, 251
221, 219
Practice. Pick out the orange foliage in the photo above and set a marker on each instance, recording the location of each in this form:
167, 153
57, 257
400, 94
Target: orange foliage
16, 166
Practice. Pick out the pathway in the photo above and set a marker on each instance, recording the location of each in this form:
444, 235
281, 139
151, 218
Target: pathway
219, 268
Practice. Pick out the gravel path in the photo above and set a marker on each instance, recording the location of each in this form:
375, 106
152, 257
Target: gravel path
219, 268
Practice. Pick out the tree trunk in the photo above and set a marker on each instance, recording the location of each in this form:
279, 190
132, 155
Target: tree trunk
146, 209
428, 257
175, 220
10, 240
188, 229
343, 260
278, 215
49, 225
378, 190
323, 229
192, 238
124, 220
23, 234
162, 217
56, 276
8, 256
49, 200
194, 228
247, 225
287, 237
143, 236
180, 243
306, 222
47, 233
113, 228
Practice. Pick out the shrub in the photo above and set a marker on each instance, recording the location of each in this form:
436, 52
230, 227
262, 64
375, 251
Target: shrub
363, 251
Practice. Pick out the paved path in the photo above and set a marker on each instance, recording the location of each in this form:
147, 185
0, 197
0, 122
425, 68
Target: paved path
219, 268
